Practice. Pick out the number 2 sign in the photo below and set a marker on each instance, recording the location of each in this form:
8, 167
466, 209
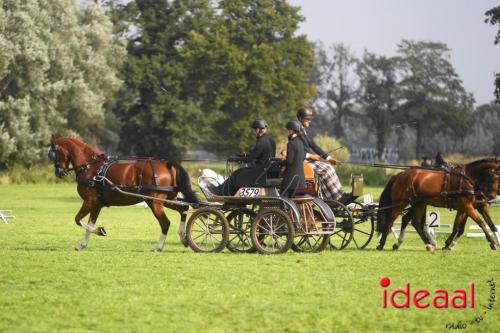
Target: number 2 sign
433, 219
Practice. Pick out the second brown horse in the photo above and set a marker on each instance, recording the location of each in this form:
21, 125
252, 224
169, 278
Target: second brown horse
461, 188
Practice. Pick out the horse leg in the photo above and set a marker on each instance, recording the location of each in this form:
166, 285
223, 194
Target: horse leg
94, 209
469, 209
404, 223
484, 210
418, 223
84, 210
458, 225
396, 211
94, 213
157, 209
182, 229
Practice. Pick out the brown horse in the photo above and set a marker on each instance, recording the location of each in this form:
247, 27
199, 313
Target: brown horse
100, 179
461, 188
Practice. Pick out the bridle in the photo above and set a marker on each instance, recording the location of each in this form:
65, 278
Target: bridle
62, 171
485, 187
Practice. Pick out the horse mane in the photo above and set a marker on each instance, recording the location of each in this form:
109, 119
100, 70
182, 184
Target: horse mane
79, 142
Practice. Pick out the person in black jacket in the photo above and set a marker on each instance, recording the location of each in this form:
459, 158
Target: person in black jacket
293, 177
264, 147
440, 162
257, 158
330, 183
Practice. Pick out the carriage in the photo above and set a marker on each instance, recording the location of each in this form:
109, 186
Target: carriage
256, 218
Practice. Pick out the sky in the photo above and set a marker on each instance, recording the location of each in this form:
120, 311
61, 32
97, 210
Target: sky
379, 25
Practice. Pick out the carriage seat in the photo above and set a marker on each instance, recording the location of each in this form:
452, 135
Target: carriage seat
271, 173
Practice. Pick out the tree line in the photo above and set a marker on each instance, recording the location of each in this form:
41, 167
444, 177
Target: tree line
155, 77
414, 101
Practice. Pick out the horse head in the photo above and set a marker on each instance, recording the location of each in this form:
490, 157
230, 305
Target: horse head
486, 175
71, 150
60, 156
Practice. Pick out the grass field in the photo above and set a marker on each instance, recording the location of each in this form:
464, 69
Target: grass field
118, 285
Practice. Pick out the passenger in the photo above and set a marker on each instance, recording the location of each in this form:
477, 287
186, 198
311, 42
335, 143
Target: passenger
263, 149
293, 177
440, 162
330, 183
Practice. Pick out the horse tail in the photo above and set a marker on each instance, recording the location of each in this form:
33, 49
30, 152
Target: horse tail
183, 182
384, 214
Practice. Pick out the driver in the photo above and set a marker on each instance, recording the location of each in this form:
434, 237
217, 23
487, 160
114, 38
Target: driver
263, 149
330, 183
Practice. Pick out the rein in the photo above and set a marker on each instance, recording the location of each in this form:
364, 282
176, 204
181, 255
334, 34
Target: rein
81, 168
395, 166
94, 159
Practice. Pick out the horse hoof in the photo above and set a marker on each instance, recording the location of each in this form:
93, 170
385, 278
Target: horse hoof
79, 247
155, 249
429, 248
493, 246
101, 231
395, 247
380, 248
184, 242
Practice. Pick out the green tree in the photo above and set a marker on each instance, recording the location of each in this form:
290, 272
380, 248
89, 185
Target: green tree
336, 82
248, 64
158, 117
433, 95
379, 93
493, 17
57, 73
487, 119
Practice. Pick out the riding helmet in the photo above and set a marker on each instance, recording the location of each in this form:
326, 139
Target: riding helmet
293, 125
259, 123
306, 113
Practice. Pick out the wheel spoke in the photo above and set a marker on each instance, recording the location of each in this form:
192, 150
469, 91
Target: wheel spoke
362, 231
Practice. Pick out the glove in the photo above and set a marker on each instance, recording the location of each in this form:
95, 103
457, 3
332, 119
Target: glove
313, 157
333, 161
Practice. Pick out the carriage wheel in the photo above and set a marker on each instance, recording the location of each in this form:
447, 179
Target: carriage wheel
364, 226
240, 222
207, 230
310, 243
344, 228
272, 232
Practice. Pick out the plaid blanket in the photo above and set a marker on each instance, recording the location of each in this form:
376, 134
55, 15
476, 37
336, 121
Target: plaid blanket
330, 185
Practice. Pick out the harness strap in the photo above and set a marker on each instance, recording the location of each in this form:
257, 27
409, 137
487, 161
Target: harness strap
173, 171
445, 187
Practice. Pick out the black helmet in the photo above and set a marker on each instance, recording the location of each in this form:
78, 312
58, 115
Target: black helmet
306, 113
293, 125
259, 123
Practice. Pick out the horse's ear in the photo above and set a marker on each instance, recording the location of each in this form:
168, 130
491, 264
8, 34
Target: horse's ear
52, 138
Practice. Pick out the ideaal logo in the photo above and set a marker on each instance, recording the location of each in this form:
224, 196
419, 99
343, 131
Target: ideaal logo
422, 298
440, 299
